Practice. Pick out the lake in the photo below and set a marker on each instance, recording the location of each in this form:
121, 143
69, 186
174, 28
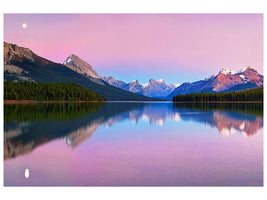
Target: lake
133, 144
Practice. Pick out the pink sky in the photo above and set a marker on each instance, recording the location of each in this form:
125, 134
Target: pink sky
112, 156
175, 47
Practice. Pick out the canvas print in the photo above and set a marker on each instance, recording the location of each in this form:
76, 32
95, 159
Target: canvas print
133, 99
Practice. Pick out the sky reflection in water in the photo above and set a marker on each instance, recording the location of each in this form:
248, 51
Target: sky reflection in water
129, 144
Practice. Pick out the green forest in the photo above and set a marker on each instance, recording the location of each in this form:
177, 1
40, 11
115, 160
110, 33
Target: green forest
48, 92
248, 95
57, 73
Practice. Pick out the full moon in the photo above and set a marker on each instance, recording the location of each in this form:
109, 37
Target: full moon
24, 25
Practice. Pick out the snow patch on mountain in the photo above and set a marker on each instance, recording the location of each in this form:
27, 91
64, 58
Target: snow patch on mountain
82, 67
244, 69
177, 84
145, 84
244, 78
226, 79
134, 81
69, 59
152, 88
227, 71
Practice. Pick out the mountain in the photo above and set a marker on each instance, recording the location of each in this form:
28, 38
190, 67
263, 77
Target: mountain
153, 88
22, 64
158, 88
80, 66
225, 81
114, 82
134, 86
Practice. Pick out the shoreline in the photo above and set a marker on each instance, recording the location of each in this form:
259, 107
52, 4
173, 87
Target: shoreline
34, 101
217, 101
63, 101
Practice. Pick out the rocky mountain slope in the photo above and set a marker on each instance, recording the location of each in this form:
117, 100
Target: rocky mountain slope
22, 64
225, 81
153, 88
80, 66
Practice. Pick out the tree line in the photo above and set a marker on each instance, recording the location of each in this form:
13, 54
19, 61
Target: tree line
247, 95
246, 108
25, 90
48, 111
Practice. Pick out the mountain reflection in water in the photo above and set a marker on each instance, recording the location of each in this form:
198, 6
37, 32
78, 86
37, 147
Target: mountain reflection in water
29, 126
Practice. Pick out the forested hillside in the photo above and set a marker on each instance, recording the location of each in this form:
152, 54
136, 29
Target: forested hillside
248, 95
22, 64
48, 92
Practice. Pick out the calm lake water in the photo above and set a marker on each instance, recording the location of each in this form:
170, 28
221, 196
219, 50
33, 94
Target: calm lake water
133, 144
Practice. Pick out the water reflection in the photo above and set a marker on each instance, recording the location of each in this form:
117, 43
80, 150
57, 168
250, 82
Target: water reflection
29, 126
27, 173
228, 118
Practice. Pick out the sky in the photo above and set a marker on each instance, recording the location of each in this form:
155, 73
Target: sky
175, 47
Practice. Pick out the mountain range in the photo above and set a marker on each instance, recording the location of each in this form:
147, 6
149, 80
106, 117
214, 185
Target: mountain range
21, 64
225, 81
153, 88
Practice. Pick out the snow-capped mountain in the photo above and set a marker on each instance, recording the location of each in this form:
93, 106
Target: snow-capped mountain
158, 88
153, 88
21, 64
225, 81
78, 65
227, 71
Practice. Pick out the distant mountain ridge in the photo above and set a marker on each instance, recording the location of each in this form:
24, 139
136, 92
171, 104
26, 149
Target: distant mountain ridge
225, 81
21, 64
153, 88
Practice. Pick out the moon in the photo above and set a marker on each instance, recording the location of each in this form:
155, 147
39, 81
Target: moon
24, 25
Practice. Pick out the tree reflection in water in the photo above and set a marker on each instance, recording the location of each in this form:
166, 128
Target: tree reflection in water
31, 125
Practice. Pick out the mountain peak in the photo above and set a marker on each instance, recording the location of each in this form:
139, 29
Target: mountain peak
152, 81
177, 84
135, 81
161, 80
226, 71
248, 68
107, 78
68, 60
244, 69
13, 51
146, 84
247, 78
77, 64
